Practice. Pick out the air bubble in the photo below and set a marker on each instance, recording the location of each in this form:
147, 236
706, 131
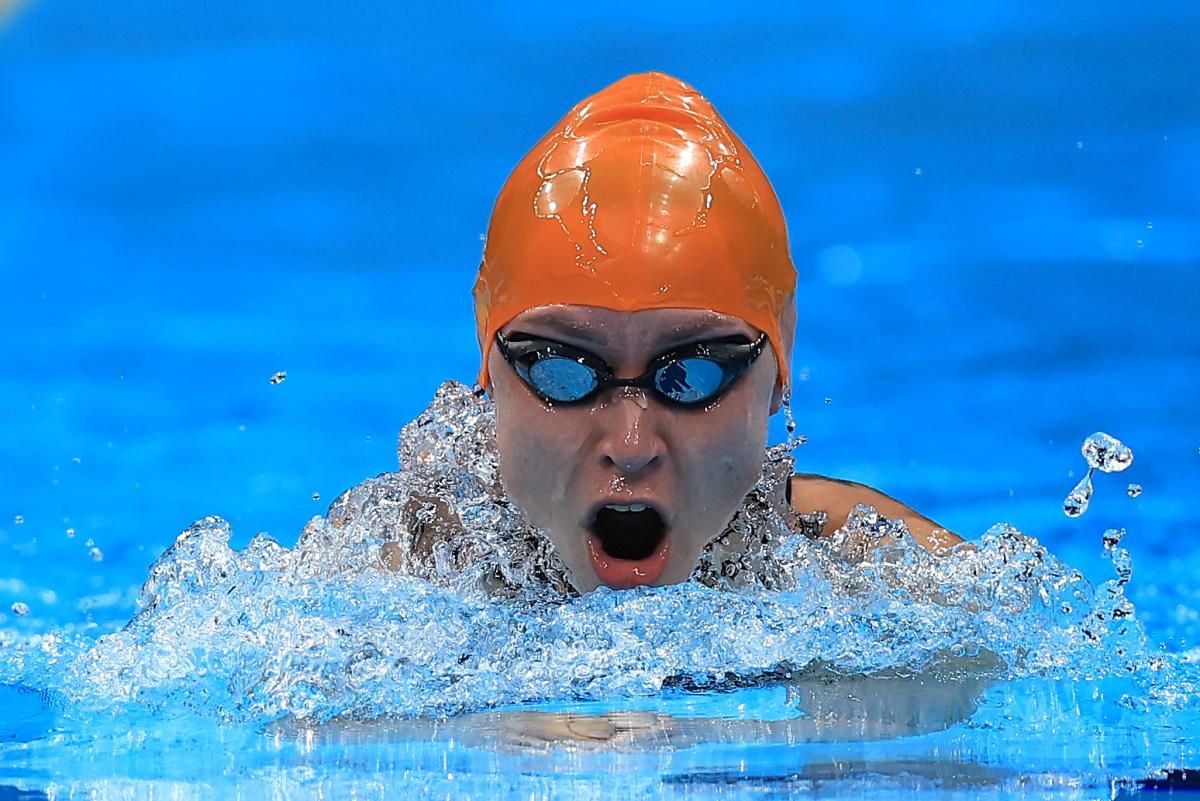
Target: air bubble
70, 532
18, 519
96, 554
316, 496
1133, 490
828, 399
917, 171
1106, 453
279, 377
20, 609
1141, 244
1079, 145
1149, 226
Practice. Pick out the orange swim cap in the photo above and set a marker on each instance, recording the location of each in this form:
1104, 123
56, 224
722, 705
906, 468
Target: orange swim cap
640, 198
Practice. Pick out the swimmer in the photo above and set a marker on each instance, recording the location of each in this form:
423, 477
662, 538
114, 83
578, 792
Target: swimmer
635, 313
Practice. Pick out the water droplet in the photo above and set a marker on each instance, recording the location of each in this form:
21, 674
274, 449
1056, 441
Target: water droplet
96, 554
316, 496
18, 519
89, 542
828, 399
1134, 490
70, 532
279, 377
76, 460
1079, 145
20, 609
1141, 244
1077, 501
1149, 226
917, 171
242, 427
1120, 558
1107, 453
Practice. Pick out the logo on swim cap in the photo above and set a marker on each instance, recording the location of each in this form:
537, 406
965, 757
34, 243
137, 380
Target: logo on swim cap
640, 198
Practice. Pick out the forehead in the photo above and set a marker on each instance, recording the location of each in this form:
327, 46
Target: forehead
595, 324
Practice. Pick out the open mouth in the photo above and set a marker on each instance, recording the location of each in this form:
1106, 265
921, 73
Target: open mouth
628, 545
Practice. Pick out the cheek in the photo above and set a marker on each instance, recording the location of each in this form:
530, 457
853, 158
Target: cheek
533, 459
724, 447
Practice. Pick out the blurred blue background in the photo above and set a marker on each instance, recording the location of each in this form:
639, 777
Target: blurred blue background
994, 210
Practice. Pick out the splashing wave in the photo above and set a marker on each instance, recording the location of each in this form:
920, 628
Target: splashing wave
424, 592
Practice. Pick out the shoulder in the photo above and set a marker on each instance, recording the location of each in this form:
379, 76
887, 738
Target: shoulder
837, 498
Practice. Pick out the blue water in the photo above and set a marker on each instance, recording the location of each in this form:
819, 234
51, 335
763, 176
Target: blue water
994, 216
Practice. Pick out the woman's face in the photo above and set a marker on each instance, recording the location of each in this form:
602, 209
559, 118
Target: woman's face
629, 488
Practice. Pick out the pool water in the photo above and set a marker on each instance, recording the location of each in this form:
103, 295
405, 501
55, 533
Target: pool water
993, 214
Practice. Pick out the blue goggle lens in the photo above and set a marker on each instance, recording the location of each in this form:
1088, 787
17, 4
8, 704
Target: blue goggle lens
562, 379
689, 380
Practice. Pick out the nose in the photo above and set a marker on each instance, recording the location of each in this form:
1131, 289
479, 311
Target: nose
631, 439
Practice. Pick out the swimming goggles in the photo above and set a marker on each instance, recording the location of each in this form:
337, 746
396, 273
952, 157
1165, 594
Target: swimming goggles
686, 376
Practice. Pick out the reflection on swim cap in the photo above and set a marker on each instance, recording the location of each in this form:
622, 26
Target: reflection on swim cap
640, 198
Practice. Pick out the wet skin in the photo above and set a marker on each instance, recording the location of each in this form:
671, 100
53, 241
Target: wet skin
560, 462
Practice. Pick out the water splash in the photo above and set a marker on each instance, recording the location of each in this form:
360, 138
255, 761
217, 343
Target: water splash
1078, 499
425, 592
1106, 453
794, 440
